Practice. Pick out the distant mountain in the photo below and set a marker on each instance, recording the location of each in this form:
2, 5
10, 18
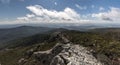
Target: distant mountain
105, 30
84, 27
8, 34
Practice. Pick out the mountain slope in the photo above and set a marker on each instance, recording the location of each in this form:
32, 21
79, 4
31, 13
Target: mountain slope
102, 48
19, 32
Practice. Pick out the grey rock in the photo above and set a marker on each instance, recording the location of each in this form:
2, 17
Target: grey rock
78, 55
22, 61
66, 54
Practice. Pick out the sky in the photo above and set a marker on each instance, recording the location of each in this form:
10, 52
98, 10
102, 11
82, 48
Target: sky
60, 11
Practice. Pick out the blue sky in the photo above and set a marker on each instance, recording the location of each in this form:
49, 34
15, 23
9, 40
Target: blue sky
59, 11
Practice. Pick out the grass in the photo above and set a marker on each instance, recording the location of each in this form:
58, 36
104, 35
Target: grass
101, 43
11, 57
19, 47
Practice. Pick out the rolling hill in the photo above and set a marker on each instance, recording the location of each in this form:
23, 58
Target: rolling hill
8, 34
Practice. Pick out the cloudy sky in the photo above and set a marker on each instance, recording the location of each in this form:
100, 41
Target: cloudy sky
60, 11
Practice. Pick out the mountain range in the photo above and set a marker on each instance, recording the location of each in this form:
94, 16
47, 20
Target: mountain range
62, 46
28, 45
7, 34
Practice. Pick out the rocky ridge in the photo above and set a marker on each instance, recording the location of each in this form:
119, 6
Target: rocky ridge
63, 53
74, 55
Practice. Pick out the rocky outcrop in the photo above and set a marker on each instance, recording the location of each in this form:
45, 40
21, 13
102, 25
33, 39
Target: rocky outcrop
64, 53
45, 57
74, 55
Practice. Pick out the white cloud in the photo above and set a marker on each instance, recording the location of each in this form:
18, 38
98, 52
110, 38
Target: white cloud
30, 15
55, 3
81, 7
101, 8
27, 17
42, 15
23, 18
67, 14
112, 15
